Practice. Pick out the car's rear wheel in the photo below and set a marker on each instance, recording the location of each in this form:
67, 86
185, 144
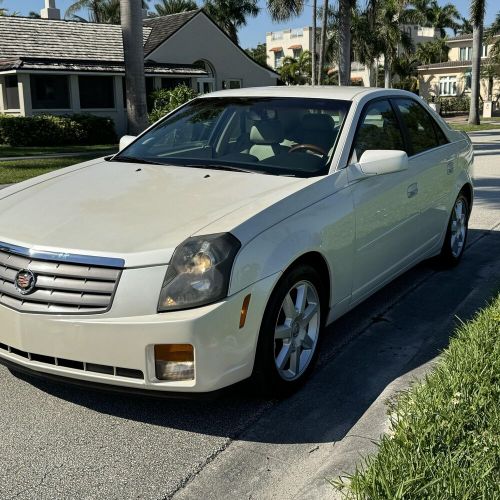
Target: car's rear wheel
290, 334
456, 234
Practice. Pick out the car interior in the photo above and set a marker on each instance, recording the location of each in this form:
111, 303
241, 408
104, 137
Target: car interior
295, 139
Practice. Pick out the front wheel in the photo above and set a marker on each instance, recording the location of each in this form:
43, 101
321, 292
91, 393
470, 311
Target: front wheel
456, 234
290, 333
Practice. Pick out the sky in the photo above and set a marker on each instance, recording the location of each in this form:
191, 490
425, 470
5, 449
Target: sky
255, 31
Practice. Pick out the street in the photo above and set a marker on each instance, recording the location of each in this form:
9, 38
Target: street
64, 442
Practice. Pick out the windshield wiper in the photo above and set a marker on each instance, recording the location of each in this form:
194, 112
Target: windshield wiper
229, 168
135, 159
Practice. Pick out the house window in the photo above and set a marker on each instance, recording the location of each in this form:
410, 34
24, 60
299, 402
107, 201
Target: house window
278, 58
11, 92
171, 83
278, 35
465, 53
484, 51
448, 85
296, 53
231, 84
50, 92
296, 33
96, 92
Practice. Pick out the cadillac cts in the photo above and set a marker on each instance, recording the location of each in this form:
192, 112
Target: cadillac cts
216, 246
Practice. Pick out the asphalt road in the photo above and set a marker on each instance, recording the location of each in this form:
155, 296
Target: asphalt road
62, 442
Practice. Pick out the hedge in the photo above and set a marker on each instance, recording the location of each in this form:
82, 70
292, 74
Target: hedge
454, 104
49, 130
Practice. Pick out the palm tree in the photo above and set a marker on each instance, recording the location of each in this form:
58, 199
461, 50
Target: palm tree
313, 48
131, 22
464, 27
99, 11
322, 48
477, 11
437, 16
345, 15
297, 71
3, 11
167, 7
433, 51
231, 14
391, 15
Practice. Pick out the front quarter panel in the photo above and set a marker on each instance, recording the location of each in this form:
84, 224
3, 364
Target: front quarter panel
325, 226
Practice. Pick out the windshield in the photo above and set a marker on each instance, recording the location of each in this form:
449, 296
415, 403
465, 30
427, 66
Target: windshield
280, 136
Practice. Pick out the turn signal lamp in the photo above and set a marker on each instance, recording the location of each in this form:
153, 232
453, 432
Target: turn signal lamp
174, 362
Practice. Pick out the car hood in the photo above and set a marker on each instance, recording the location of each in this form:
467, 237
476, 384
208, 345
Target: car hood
136, 212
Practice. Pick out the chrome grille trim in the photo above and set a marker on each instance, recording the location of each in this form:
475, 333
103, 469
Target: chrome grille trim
62, 286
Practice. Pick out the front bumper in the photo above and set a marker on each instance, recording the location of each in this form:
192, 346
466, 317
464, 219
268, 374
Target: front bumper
117, 348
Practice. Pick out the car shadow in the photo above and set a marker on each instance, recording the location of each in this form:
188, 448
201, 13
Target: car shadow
401, 327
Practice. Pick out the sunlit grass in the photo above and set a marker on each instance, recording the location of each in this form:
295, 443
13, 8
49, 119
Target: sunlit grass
445, 437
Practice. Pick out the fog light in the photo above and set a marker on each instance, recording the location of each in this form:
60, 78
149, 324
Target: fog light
174, 362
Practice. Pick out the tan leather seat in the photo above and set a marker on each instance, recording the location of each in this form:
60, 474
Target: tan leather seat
265, 137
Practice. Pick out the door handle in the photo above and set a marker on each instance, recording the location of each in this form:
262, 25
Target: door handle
450, 167
412, 190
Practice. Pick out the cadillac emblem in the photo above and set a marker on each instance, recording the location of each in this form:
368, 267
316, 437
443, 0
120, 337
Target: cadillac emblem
25, 281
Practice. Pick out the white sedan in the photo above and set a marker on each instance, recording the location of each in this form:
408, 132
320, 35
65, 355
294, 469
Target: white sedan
216, 246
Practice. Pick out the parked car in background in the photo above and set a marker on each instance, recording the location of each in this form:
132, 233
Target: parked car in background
217, 246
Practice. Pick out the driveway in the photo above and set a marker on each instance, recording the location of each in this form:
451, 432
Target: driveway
63, 442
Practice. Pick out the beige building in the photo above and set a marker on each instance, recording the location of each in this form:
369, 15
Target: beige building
287, 43
452, 78
418, 35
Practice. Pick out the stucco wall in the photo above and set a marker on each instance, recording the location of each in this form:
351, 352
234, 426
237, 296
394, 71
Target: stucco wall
201, 39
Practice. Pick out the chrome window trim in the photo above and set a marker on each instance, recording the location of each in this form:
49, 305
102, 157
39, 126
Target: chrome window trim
62, 256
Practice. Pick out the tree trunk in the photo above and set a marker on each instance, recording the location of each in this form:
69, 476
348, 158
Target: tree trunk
344, 42
373, 73
477, 42
322, 49
387, 72
131, 21
313, 51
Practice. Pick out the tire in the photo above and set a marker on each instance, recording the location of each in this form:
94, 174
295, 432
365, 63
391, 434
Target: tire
456, 233
290, 334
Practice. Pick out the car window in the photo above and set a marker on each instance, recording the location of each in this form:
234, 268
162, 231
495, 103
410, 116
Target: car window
282, 136
420, 125
379, 129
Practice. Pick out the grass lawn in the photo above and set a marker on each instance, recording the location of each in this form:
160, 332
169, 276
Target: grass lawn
17, 171
6, 151
465, 127
445, 439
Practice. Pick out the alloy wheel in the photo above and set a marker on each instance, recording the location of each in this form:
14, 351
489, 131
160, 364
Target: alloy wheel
458, 227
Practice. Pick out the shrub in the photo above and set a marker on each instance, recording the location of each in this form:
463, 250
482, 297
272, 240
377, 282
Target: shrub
50, 130
166, 100
454, 104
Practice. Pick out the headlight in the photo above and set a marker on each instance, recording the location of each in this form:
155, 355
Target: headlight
199, 272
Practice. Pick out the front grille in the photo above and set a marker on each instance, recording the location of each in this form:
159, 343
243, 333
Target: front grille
75, 365
61, 287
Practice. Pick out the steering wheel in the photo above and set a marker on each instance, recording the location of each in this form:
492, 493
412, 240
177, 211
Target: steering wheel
310, 147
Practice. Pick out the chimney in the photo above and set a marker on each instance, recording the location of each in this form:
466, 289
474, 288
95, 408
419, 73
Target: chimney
50, 11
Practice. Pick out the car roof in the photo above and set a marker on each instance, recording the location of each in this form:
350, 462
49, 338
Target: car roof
306, 91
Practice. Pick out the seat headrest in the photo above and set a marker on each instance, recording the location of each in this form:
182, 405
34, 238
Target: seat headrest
267, 132
318, 123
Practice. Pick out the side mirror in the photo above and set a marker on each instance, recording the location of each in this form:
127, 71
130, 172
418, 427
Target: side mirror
383, 161
126, 140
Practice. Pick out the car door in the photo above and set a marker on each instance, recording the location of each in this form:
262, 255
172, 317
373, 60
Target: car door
386, 209
432, 159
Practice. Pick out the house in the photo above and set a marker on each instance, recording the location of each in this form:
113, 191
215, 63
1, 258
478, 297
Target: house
287, 43
52, 66
453, 77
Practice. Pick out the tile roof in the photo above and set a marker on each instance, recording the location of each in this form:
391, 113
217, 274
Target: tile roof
61, 39
165, 26
25, 37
